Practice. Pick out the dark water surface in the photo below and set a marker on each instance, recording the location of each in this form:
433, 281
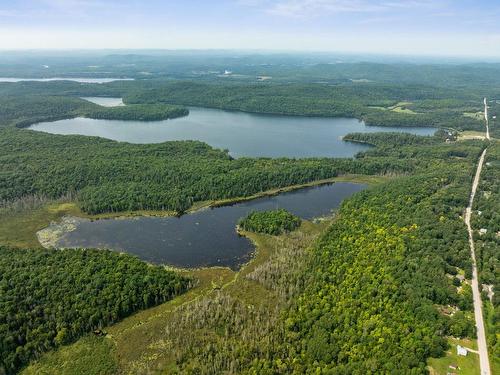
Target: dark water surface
243, 134
203, 238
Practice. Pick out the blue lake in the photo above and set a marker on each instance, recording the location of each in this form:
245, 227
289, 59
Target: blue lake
243, 134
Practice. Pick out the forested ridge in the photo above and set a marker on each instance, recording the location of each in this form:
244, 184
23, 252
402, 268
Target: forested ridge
369, 102
383, 104
109, 176
52, 297
29, 109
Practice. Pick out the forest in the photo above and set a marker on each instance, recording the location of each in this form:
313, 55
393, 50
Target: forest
368, 291
248, 66
272, 222
382, 104
109, 176
50, 298
366, 295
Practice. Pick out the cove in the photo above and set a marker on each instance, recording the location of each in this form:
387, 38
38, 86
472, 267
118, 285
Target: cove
201, 239
243, 134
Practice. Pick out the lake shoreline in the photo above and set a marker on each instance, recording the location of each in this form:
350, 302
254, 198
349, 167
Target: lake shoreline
202, 238
243, 134
204, 205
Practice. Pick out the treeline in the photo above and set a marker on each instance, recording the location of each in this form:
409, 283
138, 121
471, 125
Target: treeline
390, 138
138, 112
50, 298
272, 222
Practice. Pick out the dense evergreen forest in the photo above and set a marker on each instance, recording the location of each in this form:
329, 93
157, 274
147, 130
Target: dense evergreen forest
375, 103
370, 294
109, 176
28, 109
50, 298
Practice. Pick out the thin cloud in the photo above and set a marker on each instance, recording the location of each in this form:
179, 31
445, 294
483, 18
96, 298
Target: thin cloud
78, 7
8, 13
314, 8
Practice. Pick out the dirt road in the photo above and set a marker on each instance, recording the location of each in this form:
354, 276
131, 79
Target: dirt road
486, 119
478, 304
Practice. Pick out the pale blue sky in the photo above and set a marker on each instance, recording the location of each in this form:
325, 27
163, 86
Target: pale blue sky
435, 27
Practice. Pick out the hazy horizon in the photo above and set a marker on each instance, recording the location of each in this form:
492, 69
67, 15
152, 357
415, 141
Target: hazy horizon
447, 28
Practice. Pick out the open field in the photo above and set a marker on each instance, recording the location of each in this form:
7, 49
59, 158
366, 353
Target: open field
400, 107
471, 135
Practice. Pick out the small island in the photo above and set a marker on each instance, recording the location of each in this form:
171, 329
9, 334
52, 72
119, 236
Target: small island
272, 222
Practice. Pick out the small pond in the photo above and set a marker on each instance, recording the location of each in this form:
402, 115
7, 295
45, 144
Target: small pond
204, 238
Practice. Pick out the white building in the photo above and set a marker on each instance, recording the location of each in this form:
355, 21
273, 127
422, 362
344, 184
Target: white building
461, 350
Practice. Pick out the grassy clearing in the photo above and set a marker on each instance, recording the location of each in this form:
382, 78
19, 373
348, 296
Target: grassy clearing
401, 107
18, 229
89, 356
465, 135
136, 344
468, 365
475, 115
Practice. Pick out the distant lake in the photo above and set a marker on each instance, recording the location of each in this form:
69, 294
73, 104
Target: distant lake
244, 134
204, 238
105, 102
81, 80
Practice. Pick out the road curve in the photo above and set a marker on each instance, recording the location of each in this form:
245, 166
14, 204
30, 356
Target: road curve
484, 362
